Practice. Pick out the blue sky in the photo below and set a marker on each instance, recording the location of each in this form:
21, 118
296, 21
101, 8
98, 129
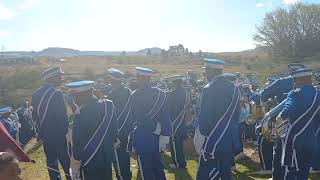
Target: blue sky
209, 25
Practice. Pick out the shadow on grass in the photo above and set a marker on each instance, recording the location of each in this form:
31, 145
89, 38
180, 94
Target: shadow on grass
179, 174
34, 148
247, 169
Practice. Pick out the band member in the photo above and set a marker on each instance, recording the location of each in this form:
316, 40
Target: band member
247, 131
94, 134
119, 95
149, 124
8, 123
179, 106
99, 89
236, 129
50, 115
26, 132
219, 115
302, 112
279, 89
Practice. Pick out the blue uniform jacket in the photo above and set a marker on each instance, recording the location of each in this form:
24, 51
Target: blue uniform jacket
278, 88
24, 120
176, 100
142, 101
56, 121
119, 96
85, 125
255, 97
298, 101
8, 124
216, 98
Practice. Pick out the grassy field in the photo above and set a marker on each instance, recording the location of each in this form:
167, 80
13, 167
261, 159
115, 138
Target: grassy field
19, 81
245, 168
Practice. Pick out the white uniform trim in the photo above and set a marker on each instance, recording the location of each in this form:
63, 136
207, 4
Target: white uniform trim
261, 154
105, 115
125, 107
118, 164
294, 123
174, 152
141, 169
47, 105
154, 105
222, 134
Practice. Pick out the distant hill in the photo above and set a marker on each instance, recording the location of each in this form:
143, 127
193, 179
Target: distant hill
154, 50
67, 52
58, 52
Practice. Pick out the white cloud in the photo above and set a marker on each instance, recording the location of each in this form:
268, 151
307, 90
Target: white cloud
259, 5
6, 13
290, 1
5, 33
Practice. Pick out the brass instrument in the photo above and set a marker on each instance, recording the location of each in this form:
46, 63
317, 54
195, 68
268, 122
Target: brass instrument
257, 113
244, 109
270, 128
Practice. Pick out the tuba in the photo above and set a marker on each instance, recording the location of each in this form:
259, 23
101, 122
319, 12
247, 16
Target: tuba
269, 127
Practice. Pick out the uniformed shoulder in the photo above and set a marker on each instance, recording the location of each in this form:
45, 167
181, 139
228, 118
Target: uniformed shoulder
207, 86
220, 81
156, 89
288, 79
59, 92
127, 89
133, 93
107, 101
294, 92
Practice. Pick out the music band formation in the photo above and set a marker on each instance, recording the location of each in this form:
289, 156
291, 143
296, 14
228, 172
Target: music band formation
220, 111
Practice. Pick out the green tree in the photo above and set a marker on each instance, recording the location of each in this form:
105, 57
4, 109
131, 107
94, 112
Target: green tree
292, 32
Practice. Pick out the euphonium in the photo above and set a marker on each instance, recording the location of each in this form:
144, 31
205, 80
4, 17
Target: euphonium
270, 128
257, 113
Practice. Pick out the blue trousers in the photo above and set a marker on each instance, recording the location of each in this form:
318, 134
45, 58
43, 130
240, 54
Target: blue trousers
305, 150
213, 169
99, 167
316, 157
25, 136
265, 149
278, 170
177, 153
121, 163
304, 161
293, 174
149, 157
57, 152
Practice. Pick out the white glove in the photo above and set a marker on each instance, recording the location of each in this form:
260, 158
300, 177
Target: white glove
279, 119
75, 169
198, 141
163, 141
116, 144
17, 125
